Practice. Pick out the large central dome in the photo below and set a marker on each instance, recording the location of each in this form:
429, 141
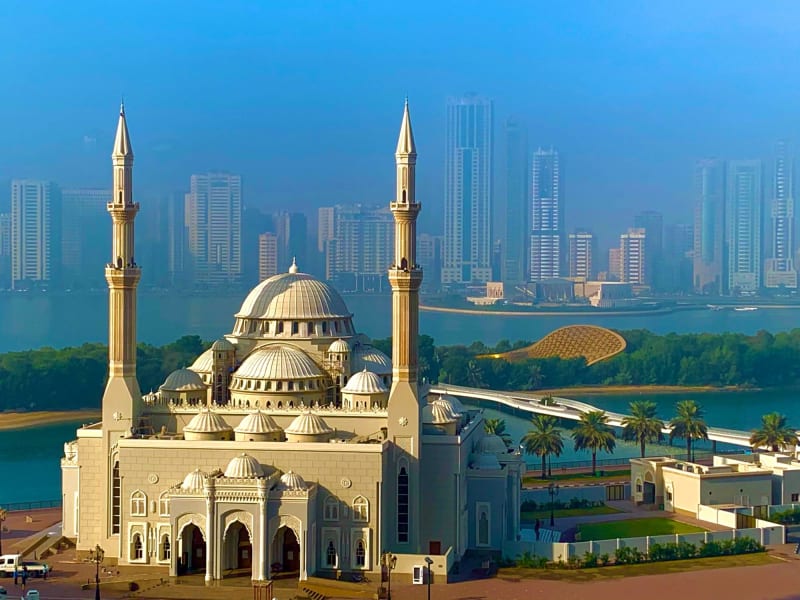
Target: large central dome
293, 296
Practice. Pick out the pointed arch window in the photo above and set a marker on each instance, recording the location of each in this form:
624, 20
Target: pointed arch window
137, 548
163, 504
165, 551
138, 504
331, 510
360, 509
331, 558
116, 498
361, 554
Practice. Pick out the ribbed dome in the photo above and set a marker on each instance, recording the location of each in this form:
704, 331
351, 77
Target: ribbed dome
491, 444
204, 362
293, 296
339, 346
183, 380
455, 403
485, 462
207, 421
307, 423
448, 407
278, 362
436, 414
194, 481
292, 481
244, 466
222, 345
257, 422
364, 382
370, 358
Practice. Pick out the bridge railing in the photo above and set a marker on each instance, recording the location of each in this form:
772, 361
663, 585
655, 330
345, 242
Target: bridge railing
12, 506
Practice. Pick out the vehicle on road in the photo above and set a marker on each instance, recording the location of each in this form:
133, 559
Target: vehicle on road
13, 562
32, 595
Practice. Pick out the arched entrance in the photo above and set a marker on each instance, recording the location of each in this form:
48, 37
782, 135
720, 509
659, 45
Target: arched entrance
238, 547
286, 552
192, 558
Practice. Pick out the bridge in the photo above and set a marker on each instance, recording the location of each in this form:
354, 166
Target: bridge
564, 408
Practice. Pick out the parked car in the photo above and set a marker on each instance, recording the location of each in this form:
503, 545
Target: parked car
13, 562
32, 595
3, 592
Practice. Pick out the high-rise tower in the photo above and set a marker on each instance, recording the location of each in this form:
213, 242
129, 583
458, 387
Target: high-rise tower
547, 217
122, 399
779, 269
405, 277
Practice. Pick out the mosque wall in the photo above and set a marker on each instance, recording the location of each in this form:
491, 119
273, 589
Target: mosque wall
93, 513
487, 509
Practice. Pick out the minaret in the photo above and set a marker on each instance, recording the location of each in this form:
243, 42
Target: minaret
405, 276
122, 400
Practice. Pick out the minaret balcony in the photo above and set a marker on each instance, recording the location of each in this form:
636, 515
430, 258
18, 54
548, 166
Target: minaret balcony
407, 207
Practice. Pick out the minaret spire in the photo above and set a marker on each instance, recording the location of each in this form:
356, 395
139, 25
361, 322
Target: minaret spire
405, 412
122, 398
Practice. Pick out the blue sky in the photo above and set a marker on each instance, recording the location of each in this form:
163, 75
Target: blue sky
304, 98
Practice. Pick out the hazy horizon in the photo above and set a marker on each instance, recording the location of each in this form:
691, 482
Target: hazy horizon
304, 100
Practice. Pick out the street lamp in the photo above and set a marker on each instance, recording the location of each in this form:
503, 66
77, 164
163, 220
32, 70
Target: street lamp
552, 489
389, 561
3, 515
429, 562
96, 556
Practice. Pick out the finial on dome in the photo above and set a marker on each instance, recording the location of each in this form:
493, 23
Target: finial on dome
293, 268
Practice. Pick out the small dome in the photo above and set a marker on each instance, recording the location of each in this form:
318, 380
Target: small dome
204, 363
436, 414
293, 296
307, 423
222, 345
244, 466
364, 382
183, 380
370, 358
194, 481
448, 407
455, 403
485, 462
491, 444
207, 421
278, 362
291, 481
339, 346
257, 422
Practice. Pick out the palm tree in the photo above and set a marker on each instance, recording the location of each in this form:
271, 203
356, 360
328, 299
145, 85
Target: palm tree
593, 433
642, 425
497, 427
544, 439
688, 424
774, 433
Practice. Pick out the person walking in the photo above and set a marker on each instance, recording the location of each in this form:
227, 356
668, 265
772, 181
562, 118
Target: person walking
24, 578
16, 576
536, 528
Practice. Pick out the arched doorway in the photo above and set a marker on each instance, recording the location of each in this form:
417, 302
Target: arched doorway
193, 550
238, 547
286, 552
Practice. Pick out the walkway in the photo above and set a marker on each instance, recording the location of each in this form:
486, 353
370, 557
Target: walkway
564, 408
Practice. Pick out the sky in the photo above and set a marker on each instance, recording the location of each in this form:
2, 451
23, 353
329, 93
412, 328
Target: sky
304, 99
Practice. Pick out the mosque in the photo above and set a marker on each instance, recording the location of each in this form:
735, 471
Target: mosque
292, 444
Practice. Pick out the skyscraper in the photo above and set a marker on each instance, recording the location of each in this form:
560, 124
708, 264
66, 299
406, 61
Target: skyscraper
633, 256
325, 226
516, 203
779, 269
267, 255
547, 217
292, 231
709, 227
34, 235
581, 254
676, 265
362, 247
214, 215
5, 251
743, 225
615, 264
84, 235
468, 191
429, 257
653, 224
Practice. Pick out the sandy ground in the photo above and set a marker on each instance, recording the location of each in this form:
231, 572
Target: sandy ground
16, 420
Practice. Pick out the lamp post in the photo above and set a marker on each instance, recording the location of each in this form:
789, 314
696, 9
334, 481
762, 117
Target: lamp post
389, 561
552, 489
3, 515
96, 556
429, 562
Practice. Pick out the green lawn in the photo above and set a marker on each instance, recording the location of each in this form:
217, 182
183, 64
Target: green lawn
633, 528
587, 478
650, 568
532, 515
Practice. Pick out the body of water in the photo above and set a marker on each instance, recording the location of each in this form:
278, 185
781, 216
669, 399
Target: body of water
35, 320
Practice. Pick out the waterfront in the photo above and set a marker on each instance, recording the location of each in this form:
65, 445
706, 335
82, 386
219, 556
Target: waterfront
32, 455
58, 320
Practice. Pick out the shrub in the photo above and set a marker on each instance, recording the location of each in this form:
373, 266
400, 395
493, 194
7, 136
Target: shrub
746, 545
531, 561
590, 560
574, 562
681, 550
629, 556
711, 548
686, 550
604, 559
787, 517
